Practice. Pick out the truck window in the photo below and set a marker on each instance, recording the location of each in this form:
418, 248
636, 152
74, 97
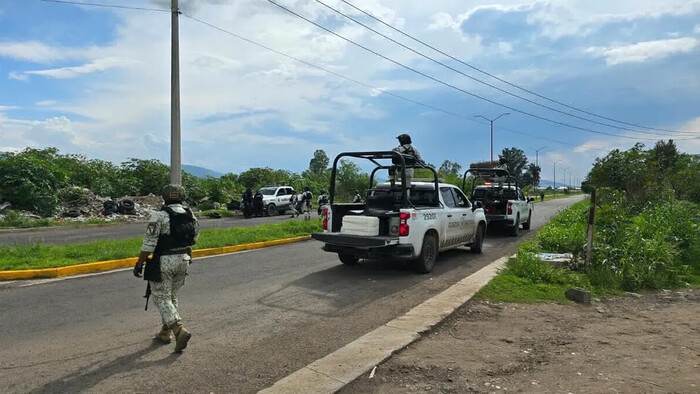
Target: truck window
460, 198
447, 197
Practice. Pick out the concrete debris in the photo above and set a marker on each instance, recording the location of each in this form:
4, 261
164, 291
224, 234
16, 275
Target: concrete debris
579, 295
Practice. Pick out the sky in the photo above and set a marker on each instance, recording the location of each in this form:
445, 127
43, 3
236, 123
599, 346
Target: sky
96, 80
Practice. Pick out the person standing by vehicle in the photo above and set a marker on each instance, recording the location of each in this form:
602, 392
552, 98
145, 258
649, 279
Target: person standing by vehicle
306, 198
412, 156
247, 202
322, 200
357, 198
258, 203
294, 204
169, 236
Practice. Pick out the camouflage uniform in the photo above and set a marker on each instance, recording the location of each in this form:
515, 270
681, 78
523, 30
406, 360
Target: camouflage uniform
173, 267
407, 149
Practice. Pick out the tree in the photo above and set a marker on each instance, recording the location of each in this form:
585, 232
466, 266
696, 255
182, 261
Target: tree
150, 175
319, 163
450, 168
515, 161
533, 173
348, 179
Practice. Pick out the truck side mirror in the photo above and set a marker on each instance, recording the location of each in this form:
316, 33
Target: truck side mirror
530, 199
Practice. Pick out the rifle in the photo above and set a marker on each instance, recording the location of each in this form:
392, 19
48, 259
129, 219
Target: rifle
148, 295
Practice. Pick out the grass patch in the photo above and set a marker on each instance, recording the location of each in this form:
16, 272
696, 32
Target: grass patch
655, 247
48, 256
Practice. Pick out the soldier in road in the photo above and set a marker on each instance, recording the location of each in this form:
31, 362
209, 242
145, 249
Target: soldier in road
306, 198
294, 204
169, 236
322, 200
357, 198
412, 156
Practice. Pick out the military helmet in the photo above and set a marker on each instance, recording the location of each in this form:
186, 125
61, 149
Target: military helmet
307, 189
173, 194
404, 139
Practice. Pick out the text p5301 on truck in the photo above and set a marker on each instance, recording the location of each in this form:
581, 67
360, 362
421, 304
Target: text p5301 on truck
397, 222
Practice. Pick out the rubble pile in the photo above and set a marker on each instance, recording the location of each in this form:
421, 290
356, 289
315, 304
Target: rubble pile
81, 204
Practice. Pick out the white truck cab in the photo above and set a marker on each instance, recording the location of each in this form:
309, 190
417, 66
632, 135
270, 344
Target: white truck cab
398, 224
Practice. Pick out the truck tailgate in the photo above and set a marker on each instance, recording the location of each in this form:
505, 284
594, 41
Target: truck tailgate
353, 240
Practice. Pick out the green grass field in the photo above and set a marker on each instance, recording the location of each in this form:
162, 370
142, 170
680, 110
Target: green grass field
49, 256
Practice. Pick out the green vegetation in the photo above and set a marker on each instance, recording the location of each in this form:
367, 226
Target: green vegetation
647, 237
41, 181
48, 256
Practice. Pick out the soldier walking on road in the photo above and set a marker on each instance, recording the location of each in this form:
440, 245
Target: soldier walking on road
169, 236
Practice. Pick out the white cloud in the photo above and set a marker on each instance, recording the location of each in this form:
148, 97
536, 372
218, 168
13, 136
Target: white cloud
643, 51
97, 65
45, 103
35, 51
696, 30
18, 76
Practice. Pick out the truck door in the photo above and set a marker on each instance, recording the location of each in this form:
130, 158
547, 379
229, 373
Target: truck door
464, 212
524, 207
453, 218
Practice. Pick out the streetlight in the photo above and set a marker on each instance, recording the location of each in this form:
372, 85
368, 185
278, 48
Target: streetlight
537, 155
555, 177
491, 121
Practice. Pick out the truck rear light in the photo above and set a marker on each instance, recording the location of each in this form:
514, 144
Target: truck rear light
325, 218
403, 224
510, 208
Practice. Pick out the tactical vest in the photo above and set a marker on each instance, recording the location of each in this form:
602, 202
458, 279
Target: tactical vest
182, 233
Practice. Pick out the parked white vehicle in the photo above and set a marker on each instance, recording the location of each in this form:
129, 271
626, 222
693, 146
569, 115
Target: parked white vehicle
394, 223
503, 201
276, 199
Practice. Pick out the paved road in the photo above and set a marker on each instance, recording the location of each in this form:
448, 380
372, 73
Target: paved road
256, 317
71, 235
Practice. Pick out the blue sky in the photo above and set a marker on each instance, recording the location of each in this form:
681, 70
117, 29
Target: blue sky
96, 80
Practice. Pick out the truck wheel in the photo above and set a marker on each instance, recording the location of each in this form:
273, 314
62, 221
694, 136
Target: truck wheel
515, 229
526, 225
348, 259
428, 254
271, 210
478, 244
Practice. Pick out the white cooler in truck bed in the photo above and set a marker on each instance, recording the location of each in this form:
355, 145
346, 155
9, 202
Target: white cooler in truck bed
360, 225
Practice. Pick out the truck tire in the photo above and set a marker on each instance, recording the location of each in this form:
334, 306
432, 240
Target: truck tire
515, 229
348, 259
477, 246
428, 254
271, 210
526, 225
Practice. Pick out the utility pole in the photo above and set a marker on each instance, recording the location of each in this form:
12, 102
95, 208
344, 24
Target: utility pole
175, 142
491, 121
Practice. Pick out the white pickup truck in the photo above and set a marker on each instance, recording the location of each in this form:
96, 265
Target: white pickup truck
503, 201
398, 224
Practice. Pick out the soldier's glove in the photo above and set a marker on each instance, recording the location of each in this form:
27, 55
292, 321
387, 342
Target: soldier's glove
138, 269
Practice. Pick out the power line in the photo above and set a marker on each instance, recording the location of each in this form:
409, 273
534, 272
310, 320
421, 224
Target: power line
500, 79
479, 80
124, 7
416, 102
455, 87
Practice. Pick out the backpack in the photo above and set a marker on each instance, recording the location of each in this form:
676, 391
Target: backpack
409, 156
182, 228
307, 196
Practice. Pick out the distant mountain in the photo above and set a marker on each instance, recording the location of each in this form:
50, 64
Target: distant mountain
200, 172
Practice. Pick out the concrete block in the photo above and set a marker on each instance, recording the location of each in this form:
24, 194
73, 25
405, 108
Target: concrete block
579, 295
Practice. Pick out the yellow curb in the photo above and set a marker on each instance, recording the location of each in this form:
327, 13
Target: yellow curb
129, 262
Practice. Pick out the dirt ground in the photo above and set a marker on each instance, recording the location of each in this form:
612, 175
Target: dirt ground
635, 344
